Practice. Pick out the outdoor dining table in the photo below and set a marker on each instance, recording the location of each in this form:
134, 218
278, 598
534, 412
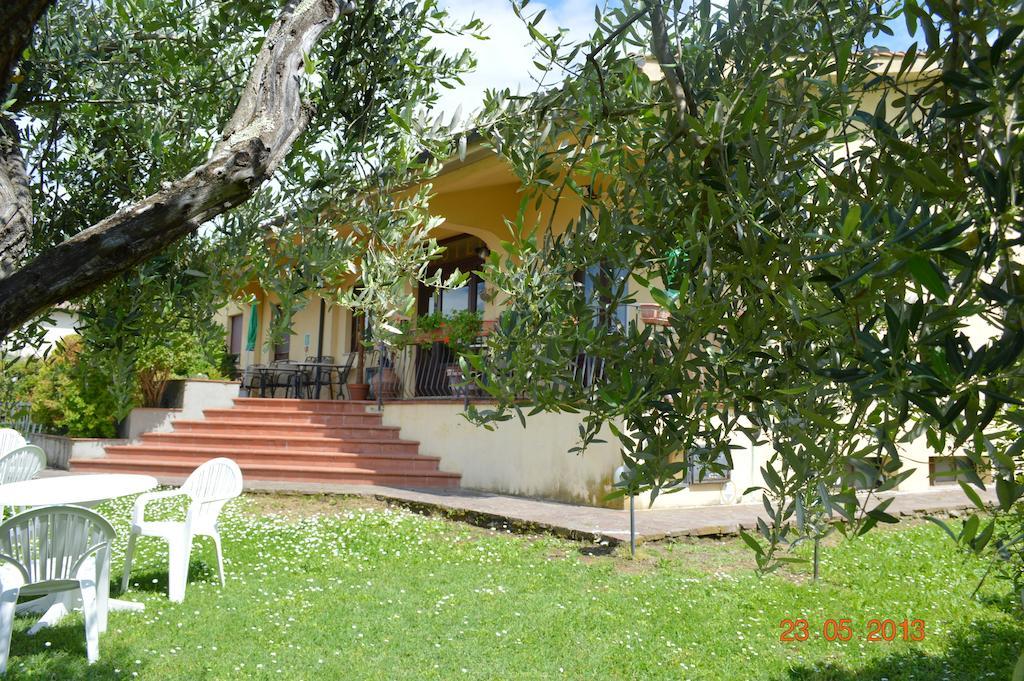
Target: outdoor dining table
298, 370
266, 374
80, 490
319, 370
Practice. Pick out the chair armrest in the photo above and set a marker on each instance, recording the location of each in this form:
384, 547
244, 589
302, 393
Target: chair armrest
89, 560
19, 573
140, 503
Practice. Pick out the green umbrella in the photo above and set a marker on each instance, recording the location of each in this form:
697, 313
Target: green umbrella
254, 327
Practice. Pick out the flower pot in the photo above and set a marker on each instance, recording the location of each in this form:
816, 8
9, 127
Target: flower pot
453, 372
389, 384
358, 391
653, 314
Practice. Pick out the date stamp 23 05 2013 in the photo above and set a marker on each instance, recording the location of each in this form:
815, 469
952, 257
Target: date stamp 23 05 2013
874, 631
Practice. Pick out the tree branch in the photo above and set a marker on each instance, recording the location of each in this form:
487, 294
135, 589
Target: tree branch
682, 98
18, 18
268, 118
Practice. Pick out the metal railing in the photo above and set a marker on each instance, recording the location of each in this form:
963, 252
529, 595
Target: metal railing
416, 372
18, 415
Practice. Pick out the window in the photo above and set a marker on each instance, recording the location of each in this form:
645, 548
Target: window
697, 473
282, 350
235, 334
598, 281
462, 253
948, 470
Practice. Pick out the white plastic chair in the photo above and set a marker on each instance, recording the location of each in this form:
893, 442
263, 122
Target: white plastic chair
209, 487
23, 463
55, 549
10, 439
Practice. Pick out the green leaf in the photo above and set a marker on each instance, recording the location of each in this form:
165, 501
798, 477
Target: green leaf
969, 530
851, 221
972, 495
752, 543
1007, 492
928, 275
943, 525
964, 110
983, 538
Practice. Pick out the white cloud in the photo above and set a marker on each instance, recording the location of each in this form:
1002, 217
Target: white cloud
506, 58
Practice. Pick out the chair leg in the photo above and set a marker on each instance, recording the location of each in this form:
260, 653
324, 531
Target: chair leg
103, 589
92, 628
220, 556
128, 553
8, 601
179, 549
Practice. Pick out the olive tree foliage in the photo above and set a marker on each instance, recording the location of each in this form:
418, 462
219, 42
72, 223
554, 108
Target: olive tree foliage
349, 220
198, 107
820, 222
112, 101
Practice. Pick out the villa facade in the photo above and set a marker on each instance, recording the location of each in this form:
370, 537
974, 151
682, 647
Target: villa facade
475, 196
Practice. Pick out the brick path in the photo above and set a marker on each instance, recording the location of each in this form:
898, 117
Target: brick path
586, 522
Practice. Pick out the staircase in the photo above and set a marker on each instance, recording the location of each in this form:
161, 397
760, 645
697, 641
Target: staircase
337, 442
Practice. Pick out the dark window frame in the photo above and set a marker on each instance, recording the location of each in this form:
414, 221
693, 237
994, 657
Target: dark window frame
282, 350
694, 468
236, 329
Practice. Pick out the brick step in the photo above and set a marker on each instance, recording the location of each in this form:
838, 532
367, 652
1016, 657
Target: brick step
312, 406
276, 471
282, 443
275, 428
196, 455
270, 414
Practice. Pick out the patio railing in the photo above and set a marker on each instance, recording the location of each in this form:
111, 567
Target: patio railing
18, 415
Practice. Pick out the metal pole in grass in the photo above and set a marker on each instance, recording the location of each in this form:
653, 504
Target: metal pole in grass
618, 477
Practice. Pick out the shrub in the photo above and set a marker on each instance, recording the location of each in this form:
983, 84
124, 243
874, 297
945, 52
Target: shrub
68, 394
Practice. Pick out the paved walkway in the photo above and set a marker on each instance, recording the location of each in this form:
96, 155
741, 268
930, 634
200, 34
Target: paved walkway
605, 524
589, 523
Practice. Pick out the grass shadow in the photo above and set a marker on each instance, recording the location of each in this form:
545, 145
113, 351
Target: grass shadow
58, 653
154, 579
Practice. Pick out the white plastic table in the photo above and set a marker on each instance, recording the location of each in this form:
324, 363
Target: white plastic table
81, 490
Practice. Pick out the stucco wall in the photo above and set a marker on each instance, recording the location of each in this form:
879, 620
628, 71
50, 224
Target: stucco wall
63, 324
193, 395
534, 461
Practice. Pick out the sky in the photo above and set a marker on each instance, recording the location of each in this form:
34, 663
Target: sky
505, 60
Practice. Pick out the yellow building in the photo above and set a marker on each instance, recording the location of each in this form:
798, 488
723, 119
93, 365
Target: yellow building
475, 196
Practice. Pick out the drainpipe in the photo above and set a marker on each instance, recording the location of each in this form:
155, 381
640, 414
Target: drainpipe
380, 376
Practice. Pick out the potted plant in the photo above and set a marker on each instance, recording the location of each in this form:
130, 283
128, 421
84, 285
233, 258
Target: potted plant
358, 389
387, 380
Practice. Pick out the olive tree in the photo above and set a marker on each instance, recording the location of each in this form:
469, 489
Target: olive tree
126, 127
817, 258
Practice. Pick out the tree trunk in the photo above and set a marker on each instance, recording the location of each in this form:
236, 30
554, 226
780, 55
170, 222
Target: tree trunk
15, 200
18, 17
266, 122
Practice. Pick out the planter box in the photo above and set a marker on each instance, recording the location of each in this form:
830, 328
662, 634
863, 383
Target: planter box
440, 334
653, 314
59, 449
146, 420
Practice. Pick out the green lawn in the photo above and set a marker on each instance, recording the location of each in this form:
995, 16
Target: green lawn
350, 593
